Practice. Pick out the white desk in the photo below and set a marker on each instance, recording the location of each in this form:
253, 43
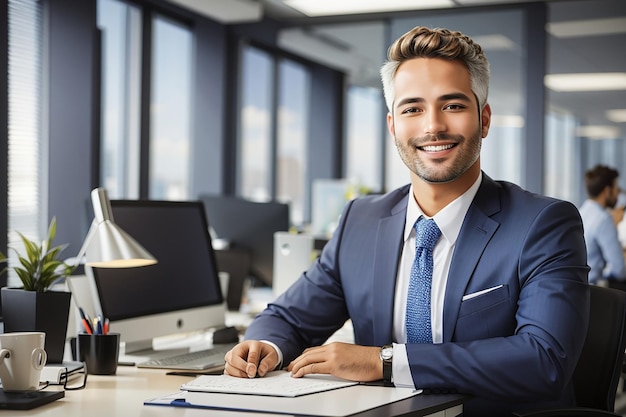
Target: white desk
123, 394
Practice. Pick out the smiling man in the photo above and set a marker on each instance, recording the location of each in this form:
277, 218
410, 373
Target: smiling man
495, 303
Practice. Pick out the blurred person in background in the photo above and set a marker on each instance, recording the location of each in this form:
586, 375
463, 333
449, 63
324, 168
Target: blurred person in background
605, 254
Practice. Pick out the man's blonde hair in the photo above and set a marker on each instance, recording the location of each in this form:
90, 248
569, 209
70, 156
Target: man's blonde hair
423, 42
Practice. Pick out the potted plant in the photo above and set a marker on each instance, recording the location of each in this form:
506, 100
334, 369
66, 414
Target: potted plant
34, 306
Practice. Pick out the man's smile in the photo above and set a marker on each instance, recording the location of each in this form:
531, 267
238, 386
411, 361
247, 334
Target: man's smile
436, 148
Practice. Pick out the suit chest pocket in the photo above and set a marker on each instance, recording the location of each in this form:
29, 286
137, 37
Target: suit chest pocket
487, 315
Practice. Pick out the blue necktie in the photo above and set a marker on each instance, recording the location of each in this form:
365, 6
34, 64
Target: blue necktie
418, 327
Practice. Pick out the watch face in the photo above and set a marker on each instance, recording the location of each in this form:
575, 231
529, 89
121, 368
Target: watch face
386, 353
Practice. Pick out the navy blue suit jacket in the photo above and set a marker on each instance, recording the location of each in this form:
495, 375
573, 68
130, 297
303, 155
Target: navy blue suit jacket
513, 348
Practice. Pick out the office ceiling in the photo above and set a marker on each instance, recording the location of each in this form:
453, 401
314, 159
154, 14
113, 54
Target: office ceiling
585, 36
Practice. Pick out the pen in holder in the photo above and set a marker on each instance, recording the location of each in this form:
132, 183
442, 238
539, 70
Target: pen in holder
95, 326
99, 352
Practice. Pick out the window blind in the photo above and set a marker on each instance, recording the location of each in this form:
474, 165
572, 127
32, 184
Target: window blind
25, 120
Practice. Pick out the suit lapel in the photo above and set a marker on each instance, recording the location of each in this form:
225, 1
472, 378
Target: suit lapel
477, 230
387, 250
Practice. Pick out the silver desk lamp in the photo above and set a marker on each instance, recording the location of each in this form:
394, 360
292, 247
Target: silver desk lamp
106, 244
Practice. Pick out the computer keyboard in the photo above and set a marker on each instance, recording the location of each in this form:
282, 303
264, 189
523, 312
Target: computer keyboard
194, 361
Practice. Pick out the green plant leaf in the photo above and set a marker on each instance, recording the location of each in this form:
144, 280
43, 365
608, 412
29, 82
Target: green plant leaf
53, 253
29, 267
28, 281
3, 258
40, 267
33, 251
52, 231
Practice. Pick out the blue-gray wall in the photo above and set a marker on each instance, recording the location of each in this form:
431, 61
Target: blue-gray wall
71, 107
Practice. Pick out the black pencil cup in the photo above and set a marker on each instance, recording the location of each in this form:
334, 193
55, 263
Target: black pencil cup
99, 352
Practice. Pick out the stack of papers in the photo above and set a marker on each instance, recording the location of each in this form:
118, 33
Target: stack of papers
278, 392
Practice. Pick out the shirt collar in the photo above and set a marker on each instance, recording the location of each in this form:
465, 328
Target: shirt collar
449, 219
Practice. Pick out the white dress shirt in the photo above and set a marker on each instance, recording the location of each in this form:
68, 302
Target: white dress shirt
449, 220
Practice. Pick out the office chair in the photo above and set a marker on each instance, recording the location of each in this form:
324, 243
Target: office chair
598, 371
620, 285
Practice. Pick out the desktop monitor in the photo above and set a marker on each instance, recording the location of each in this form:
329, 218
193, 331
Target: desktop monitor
249, 225
181, 293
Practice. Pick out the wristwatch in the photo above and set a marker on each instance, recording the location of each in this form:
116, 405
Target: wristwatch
386, 356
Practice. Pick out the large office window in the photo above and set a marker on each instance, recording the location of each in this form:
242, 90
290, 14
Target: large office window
255, 121
27, 151
563, 175
293, 108
170, 111
273, 120
364, 127
120, 25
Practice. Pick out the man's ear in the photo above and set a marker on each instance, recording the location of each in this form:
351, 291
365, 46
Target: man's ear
390, 125
485, 120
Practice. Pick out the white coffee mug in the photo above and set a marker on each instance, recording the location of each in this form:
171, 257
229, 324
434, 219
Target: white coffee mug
22, 357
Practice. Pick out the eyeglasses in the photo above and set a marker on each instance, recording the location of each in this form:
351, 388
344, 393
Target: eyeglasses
71, 381
75, 380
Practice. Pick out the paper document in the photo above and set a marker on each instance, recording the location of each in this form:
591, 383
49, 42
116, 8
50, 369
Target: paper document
334, 403
275, 384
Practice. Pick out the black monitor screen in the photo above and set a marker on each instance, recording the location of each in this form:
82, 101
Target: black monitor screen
250, 225
177, 235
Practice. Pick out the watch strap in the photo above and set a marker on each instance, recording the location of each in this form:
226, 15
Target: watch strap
387, 367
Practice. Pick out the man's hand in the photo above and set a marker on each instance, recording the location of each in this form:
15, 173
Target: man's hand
343, 360
250, 358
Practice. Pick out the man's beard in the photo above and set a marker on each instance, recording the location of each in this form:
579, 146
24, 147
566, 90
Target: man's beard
430, 174
610, 202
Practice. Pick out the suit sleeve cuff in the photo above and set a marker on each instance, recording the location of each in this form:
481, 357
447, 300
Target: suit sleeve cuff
402, 377
279, 352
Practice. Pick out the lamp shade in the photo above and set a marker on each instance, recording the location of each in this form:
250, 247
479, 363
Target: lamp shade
106, 244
